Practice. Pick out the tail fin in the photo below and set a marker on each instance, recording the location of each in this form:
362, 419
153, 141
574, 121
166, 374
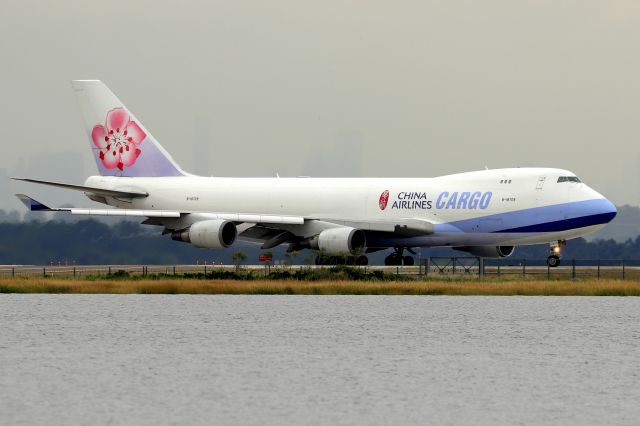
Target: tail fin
120, 143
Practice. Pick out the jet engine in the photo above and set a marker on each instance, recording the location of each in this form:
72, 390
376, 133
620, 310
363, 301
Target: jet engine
208, 234
337, 241
488, 251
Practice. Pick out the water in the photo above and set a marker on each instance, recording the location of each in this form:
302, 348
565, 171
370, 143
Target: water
109, 359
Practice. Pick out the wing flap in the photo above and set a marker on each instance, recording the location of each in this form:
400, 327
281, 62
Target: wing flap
122, 212
403, 226
267, 219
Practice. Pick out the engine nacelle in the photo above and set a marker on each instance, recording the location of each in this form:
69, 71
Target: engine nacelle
488, 251
337, 241
208, 234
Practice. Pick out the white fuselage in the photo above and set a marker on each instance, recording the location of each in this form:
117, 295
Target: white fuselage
505, 206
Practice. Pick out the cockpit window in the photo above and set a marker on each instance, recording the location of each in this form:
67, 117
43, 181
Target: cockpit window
568, 179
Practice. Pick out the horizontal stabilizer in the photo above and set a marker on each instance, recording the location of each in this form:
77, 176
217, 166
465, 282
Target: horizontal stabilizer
90, 189
32, 204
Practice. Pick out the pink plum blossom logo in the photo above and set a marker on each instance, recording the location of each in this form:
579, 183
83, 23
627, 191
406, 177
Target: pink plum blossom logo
384, 199
118, 139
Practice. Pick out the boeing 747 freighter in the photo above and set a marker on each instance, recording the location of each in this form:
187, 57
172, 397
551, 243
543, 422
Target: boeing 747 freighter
486, 213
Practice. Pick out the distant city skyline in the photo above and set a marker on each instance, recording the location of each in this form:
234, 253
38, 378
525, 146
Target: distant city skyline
330, 88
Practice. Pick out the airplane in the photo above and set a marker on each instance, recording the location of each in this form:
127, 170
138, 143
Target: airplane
486, 213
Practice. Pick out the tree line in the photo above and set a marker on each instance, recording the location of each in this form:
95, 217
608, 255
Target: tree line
92, 242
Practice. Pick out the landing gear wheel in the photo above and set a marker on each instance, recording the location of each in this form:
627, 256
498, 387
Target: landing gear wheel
555, 248
393, 260
397, 259
362, 261
553, 261
408, 260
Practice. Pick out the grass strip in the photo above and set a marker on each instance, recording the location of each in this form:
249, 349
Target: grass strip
460, 287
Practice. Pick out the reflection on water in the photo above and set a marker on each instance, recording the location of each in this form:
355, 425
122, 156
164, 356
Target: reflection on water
133, 359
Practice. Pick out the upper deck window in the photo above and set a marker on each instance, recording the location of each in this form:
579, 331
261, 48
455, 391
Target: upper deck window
568, 179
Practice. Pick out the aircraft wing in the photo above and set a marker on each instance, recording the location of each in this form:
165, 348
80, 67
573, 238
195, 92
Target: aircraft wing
34, 205
270, 230
404, 227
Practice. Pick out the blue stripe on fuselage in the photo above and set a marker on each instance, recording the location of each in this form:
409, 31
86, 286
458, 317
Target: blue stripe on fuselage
558, 217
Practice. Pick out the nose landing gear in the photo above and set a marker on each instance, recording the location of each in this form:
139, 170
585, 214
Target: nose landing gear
555, 249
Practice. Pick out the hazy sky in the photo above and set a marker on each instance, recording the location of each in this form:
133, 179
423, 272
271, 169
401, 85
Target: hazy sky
326, 88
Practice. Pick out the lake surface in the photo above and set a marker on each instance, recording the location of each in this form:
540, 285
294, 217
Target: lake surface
167, 359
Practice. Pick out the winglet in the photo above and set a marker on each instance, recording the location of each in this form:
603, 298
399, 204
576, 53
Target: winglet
32, 204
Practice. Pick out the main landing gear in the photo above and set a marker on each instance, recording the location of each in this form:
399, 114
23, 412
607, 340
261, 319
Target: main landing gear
397, 259
555, 249
342, 260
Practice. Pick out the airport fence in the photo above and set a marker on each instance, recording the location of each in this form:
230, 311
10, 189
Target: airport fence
430, 267
531, 268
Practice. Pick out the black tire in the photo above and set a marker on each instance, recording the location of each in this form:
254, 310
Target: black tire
333, 260
408, 260
553, 261
362, 261
391, 260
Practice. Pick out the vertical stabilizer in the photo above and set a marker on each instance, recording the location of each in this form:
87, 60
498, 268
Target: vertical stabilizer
121, 145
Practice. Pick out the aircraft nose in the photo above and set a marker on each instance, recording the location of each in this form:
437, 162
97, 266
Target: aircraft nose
608, 210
